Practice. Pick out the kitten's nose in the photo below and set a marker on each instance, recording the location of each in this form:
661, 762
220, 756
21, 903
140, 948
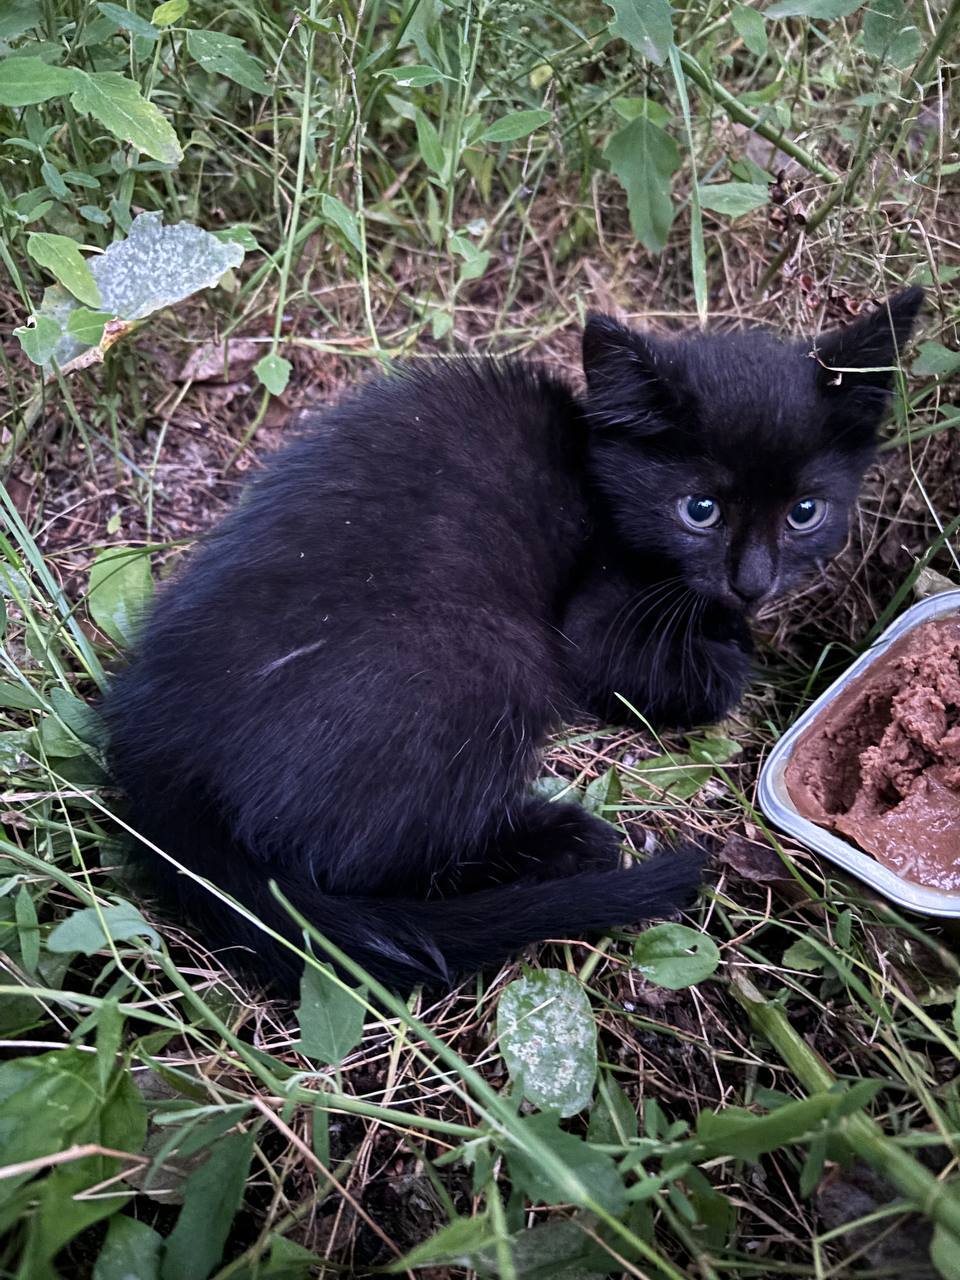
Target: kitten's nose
753, 575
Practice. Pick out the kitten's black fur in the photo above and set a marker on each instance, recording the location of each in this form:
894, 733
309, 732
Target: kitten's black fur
347, 688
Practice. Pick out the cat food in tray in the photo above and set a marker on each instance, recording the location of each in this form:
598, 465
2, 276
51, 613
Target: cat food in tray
870, 775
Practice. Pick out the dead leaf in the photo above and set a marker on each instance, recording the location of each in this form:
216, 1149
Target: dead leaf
221, 361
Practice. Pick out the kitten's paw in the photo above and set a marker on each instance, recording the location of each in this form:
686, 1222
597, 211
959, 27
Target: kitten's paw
566, 839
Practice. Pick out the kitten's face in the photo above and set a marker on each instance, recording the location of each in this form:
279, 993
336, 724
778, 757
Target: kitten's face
736, 456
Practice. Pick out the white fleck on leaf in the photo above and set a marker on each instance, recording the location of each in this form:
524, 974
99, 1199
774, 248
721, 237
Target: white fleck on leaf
548, 1039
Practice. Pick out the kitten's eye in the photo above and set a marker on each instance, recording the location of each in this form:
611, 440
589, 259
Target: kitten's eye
699, 512
807, 514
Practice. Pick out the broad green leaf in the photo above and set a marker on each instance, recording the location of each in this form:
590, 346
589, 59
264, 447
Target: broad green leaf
330, 1019
120, 590
644, 159
676, 777
945, 1253
164, 15
83, 931
24, 81
62, 258
53, 181
936, 360
734, 198
518, 124
646, 25
813, 8
87, 326
456, 1244
746, 1136
131, 1251
613, 1117
431, 148
19, 697
227, 56
120, 107
675, 956
39, 339
18, 16
128, 21
548, 1039
79, 717
749, 26
45, 1101
211, 1197
714, 748
803, 955
596, 1174
274, 373
603, 794
475, 260
344, 219
417, 77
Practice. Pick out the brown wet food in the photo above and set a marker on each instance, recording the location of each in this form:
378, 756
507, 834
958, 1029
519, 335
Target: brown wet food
881, 764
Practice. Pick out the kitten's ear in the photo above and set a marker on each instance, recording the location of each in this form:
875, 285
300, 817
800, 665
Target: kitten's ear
628, 375
859, 357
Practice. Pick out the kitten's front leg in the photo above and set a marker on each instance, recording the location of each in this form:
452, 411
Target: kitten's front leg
677, 658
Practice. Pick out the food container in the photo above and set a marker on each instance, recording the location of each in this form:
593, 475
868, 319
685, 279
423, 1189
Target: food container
775, 801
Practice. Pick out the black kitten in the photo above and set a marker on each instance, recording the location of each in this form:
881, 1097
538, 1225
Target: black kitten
346, 690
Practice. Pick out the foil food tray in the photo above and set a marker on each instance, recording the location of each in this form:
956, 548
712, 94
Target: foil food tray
774, 798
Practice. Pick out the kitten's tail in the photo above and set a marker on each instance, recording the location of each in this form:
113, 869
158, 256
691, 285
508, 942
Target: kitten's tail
403, 942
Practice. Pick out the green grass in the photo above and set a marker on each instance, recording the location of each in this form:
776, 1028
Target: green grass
794, 1113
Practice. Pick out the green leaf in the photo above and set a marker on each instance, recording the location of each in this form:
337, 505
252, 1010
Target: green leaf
813, 8
53, 181
62, 258
120, 590
744, 1135
80, 718
330, 1018
456, 1244
613, 1118
596, 1173
431, 148
120, 107
211, 1197
39, 339
28, 930
749, 26
603, 793
734, 198
227, 56
25, 81
128, 21
803, 955
18, 16
19, 697
87, 326
131, 1251
475, 260
83, 932
164, 15
945, 1253
548, 1039
675, 956
45, 1101
644, 159
416, 77
344, 219
274, 373
936, 360
646, 25
518, 124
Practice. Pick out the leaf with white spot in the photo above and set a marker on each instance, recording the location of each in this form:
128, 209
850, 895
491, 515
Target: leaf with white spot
675, 956
548, 1039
